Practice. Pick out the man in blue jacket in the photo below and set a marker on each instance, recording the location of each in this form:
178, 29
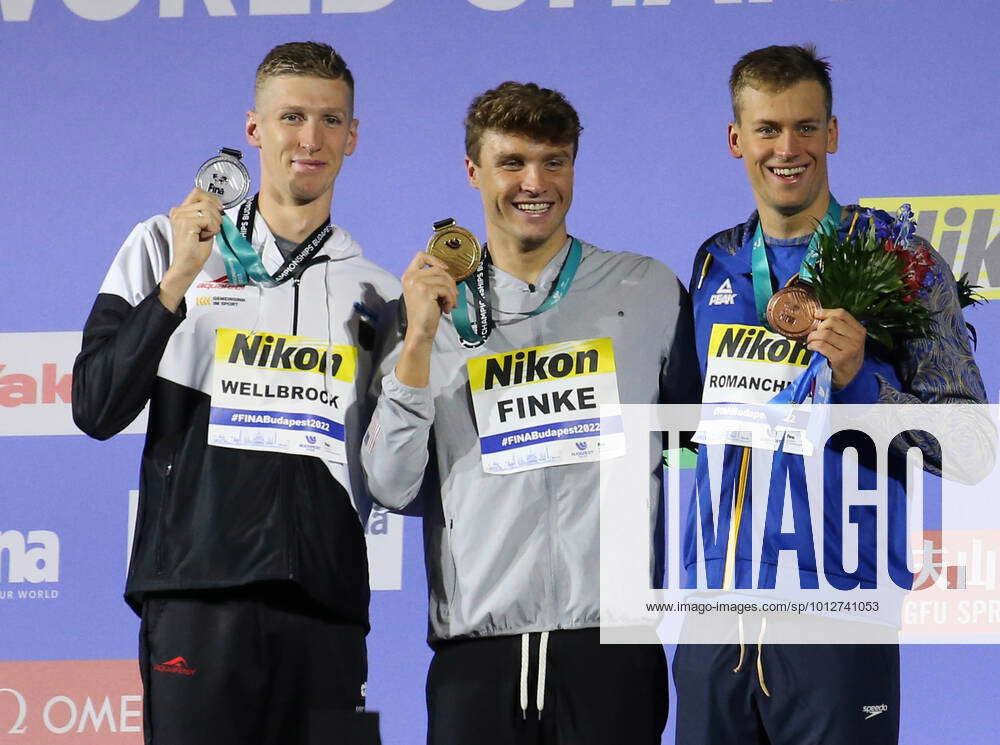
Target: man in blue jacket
783, 130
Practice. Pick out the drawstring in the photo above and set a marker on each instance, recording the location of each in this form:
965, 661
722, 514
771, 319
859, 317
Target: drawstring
760, 657
543, 646
760, 653
742, 648
525, 657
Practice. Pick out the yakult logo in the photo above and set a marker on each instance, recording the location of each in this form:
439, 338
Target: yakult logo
46, 386
36, 384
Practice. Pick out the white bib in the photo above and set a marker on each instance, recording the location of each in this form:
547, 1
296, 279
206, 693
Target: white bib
750, 365
540, 406
285, 394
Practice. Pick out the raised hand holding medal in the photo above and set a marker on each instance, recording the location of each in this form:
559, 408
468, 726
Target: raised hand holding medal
457, 247
791, 311
225, 176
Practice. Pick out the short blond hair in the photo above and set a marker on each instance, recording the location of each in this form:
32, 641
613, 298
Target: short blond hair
311, 58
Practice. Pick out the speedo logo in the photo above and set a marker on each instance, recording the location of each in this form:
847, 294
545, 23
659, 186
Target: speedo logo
724, 295
756, 344
874, 711
537, 364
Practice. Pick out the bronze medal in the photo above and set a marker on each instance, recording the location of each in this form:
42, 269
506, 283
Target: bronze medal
790, 311
457, 247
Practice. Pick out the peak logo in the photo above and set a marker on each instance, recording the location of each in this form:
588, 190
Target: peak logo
724, 295
36, 384
31, 558
964, 229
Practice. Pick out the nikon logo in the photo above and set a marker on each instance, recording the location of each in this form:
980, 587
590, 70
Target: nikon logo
528, 367
755, 343
274, 352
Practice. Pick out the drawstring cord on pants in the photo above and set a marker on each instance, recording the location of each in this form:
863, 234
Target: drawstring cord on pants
543, 645
760, 653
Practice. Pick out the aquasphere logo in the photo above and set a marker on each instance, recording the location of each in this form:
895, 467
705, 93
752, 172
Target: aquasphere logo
26, 559
964, 229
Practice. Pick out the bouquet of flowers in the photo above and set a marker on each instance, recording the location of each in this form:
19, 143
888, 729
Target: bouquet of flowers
879, 274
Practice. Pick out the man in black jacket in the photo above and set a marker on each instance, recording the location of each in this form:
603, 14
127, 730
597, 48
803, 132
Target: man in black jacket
249, 564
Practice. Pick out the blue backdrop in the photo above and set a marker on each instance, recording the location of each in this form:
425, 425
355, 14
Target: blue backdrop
109, 106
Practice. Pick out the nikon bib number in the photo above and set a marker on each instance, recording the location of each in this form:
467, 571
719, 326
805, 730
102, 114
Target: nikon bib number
541, 406
746, 367
285, 394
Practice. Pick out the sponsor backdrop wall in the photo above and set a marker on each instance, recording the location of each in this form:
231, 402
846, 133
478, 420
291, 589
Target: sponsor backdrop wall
109, 106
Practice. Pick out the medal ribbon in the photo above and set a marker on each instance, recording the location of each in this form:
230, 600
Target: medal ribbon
479, 283
243, 265
817, 378
763, 288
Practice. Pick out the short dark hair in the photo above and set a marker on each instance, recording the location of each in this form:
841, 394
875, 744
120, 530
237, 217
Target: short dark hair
304, 58
524, 109
777, 68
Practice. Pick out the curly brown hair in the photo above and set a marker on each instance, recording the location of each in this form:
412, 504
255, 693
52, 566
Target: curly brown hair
524, 109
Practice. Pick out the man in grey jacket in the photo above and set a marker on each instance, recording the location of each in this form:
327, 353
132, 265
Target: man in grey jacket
490, 400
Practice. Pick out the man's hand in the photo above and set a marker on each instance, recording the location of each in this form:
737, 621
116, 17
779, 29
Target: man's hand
840, 338
193, 224
428, 291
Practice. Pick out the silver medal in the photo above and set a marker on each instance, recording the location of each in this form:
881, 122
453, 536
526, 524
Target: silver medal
225, 176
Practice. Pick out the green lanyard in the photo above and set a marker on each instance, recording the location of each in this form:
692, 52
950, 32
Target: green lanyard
481, 289
762, 285
241, 260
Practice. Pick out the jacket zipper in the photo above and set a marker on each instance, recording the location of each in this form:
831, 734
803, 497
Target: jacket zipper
168, 483
295, 306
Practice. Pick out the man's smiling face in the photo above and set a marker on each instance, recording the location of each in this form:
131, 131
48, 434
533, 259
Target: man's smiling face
784, 138
526, 188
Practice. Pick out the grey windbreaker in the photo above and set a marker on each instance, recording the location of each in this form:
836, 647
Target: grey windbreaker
516, 553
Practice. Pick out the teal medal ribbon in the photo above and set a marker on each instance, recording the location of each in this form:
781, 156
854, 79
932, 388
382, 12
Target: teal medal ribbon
479, 284
816, 379
243, 264
763, 288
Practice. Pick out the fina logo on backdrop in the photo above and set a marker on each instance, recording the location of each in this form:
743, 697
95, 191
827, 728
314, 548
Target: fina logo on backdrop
964, 229
28, 558
108, 10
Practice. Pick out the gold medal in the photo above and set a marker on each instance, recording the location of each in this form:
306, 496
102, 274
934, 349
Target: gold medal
790, 310
457, 247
